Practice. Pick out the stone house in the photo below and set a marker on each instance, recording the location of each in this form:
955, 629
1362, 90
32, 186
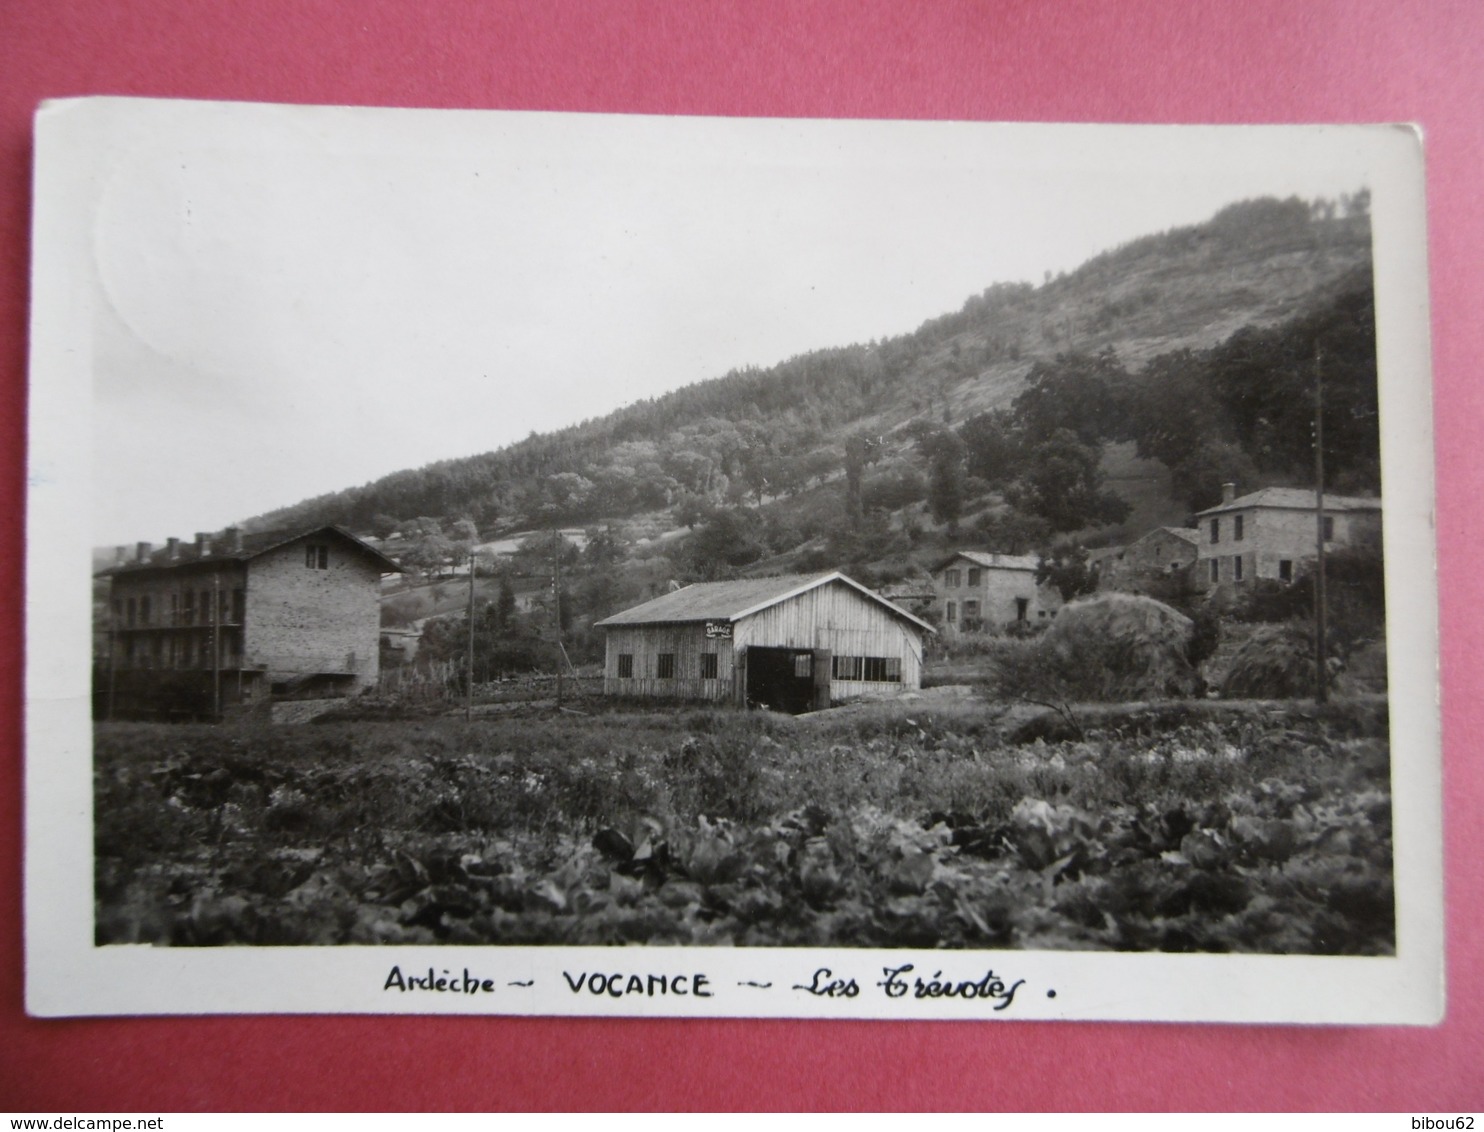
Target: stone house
1271, 533
200, 629
1159, 563
982, 592
793, 643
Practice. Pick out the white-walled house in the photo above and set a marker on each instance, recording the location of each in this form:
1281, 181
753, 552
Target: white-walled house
982, 592
1271, 533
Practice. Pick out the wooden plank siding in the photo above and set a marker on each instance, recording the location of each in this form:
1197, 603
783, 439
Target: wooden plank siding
837, 618
833, 617
645, 643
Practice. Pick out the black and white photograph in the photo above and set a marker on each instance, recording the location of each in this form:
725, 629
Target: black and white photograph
552, 563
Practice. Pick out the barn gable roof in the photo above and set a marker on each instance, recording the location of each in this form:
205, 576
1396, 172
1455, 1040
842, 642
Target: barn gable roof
734, 600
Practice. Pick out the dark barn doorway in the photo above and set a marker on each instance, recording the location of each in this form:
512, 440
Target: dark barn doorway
787, 679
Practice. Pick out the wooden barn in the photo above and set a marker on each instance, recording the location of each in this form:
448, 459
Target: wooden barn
793, 644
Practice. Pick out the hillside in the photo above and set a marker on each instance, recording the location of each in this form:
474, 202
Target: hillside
755, 435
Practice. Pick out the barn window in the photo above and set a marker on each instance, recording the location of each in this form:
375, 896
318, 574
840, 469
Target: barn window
708, 666
847, 667
317, 557
883, 669
625, 665
974, 576
665, 666
803, 665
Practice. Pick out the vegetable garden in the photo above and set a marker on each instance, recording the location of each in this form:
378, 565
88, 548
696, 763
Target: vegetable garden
1197, 826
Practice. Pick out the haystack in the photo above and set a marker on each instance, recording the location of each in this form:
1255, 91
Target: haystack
1276, 663
1116, 646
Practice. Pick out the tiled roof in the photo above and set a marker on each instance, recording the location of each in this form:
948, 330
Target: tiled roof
251, 546
993, 561
729, 601
1294, 499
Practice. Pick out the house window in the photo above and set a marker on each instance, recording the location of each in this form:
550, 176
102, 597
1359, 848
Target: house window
971, 610
1285, 569
1236, 567
625, 666
175, 609
951, 579
188, 616
118, 611
144, 611
1237, 528
133, 611
803, 665
1215, 530
1329, 528
239, 605
1022, 607
708, 666
317, 557
1215, 570
665, 666
974, 576
952, 611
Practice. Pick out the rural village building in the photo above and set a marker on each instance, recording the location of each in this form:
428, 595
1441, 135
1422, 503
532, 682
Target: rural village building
1159, 564
196, 629
981, 592
1270, 533
794, 643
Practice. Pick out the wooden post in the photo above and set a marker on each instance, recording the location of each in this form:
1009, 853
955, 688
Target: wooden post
556, 607
469, 687
1321, 651
216, 648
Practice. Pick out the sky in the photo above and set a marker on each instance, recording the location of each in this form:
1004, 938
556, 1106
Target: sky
290, 301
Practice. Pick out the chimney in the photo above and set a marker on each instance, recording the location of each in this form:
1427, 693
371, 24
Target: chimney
1228, 492
203, 544
120, 555
172, 548
234, 540
141, 552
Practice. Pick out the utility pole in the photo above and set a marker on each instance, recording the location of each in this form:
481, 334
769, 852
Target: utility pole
216, 648
469, 686
1321, 652
556, 607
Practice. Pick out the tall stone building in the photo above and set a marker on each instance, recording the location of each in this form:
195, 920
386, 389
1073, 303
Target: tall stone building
197, 630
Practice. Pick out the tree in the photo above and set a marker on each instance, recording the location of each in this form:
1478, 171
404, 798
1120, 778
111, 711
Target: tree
992, 446
1062, 482
1076, 392
1065, 567
730, 538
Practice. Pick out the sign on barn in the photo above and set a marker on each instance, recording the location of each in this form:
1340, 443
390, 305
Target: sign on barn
718, 630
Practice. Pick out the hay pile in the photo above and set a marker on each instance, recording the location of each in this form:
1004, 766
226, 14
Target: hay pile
1277, 663
1116, 646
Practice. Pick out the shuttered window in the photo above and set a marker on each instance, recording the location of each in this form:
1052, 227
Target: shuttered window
708, 666
665, 666
625, 666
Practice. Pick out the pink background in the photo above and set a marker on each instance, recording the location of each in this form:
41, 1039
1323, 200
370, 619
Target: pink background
1088, 60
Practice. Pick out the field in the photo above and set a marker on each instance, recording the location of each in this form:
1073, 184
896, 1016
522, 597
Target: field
1198, 826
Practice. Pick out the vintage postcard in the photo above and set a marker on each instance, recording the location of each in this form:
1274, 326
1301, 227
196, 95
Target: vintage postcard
526, 563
